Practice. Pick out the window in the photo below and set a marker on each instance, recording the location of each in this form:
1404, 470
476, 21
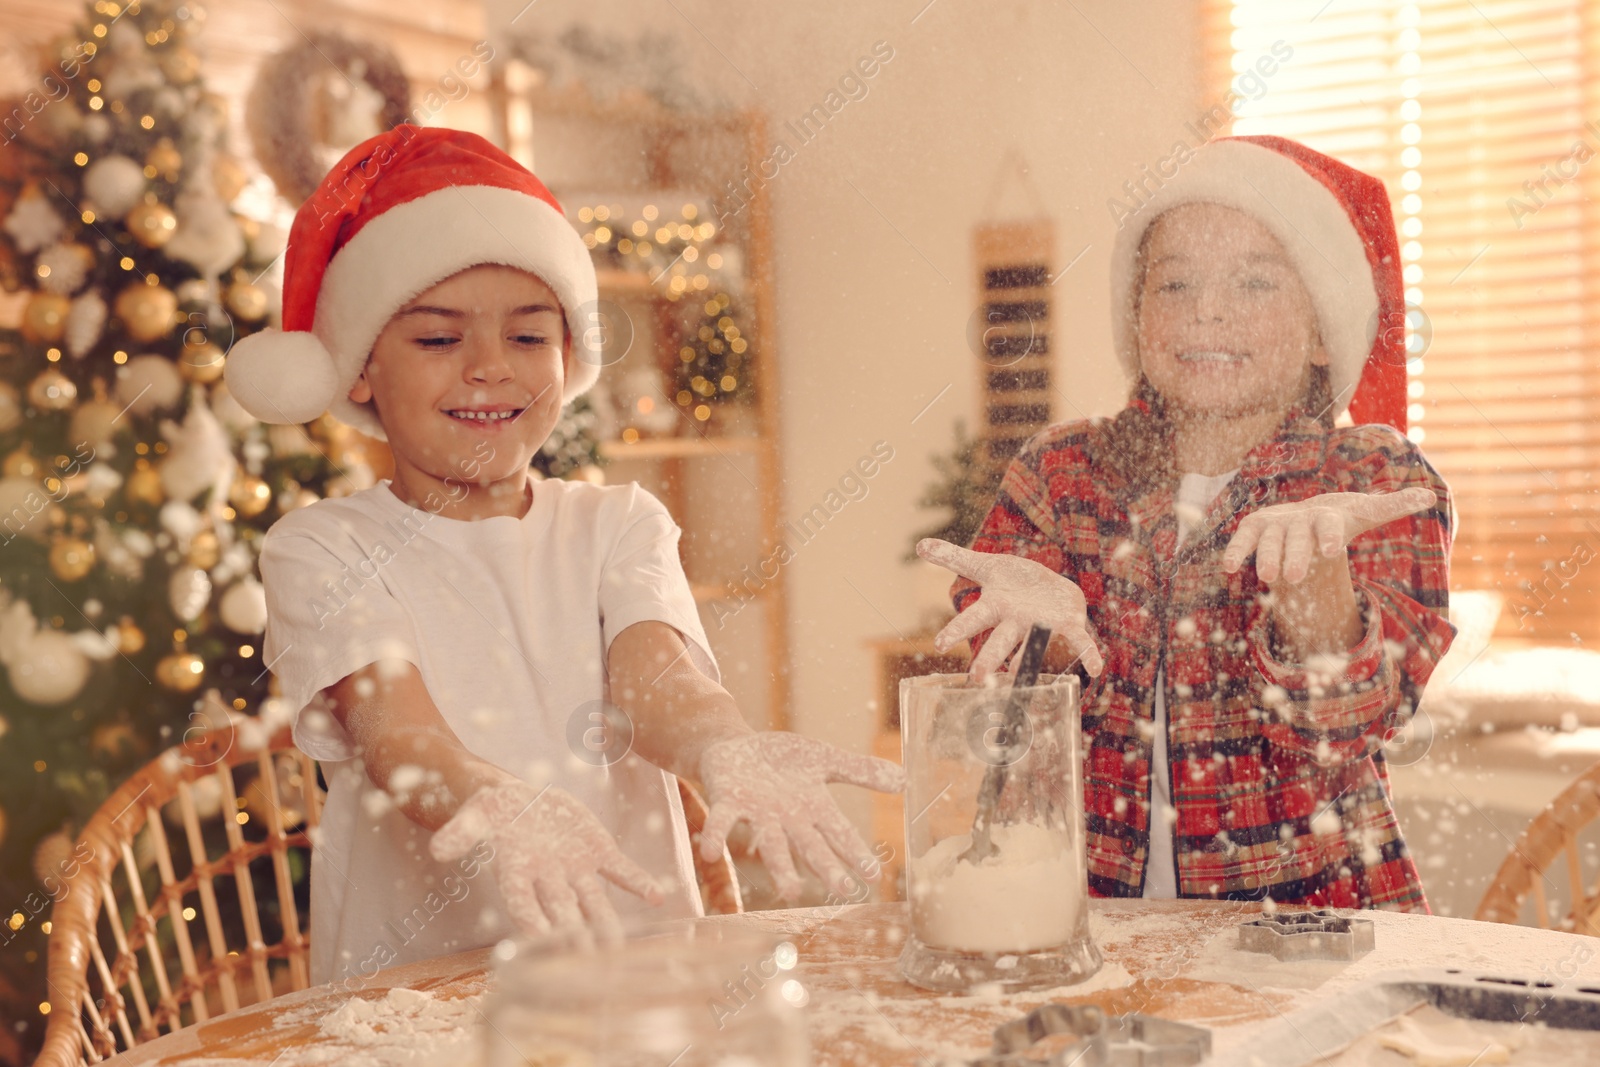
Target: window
1473, 114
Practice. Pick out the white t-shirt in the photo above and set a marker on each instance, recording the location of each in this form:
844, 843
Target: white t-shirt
1195, 494
508, 620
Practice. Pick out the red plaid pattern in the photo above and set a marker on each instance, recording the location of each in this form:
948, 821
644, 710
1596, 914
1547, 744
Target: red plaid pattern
1277, 774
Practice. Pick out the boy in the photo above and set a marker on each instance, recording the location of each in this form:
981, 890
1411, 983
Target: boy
448, 636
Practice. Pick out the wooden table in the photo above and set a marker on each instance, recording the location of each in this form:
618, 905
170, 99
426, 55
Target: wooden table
1177, 959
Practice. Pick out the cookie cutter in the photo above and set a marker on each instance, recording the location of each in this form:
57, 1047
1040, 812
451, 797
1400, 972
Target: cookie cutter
1135, 1040
1312, 935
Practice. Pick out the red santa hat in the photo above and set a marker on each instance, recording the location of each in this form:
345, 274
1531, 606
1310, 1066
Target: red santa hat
401, 212
1336, 225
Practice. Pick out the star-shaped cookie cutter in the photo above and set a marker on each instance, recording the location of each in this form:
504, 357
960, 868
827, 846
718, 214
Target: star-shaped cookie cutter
1135, 1040
1311, 935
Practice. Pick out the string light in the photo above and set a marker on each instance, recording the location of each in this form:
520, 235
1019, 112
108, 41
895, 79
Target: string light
710, 361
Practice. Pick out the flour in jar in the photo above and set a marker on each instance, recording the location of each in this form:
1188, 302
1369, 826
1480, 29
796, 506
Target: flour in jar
1026, 897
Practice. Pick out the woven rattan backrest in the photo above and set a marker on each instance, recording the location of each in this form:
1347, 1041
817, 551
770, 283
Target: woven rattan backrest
181, 901
1554, 831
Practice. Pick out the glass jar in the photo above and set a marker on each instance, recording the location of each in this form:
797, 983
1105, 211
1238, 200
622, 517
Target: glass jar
1016, 918
706, 995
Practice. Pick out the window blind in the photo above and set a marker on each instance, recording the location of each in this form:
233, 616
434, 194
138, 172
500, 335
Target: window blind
1476, 115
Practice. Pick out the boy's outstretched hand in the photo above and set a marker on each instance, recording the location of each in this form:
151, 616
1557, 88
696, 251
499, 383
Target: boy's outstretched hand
550, 854
1287, 539
777, 782
1017, 593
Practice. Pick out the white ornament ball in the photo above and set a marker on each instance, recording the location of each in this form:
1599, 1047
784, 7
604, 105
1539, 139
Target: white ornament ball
115, 183
229, 412
181, 520
244, 607
95, 422
25, 508
97, 128
50, 669
149, 382
268, 243
188, 592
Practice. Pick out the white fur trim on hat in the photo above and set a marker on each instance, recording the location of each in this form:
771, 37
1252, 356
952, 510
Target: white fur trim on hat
1311, 223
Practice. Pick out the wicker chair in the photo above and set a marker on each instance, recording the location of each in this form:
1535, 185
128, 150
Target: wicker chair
158, 980
161, 976
1553, 831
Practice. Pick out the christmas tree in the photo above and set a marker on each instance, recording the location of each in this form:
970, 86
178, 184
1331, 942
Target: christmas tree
134, 492
963, 493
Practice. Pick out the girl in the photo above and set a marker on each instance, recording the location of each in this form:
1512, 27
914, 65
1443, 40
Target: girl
1256, 595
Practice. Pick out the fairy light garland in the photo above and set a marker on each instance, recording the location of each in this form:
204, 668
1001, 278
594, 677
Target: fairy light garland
714, 358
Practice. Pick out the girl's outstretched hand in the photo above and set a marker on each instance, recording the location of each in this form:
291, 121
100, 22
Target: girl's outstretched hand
778, 783
1017, 593
1288, 538
550, 854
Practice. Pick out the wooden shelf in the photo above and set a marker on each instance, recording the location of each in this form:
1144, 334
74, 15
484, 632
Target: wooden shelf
628, 109
677, 447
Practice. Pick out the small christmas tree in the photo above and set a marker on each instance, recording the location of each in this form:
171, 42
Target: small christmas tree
134, 491
963, 492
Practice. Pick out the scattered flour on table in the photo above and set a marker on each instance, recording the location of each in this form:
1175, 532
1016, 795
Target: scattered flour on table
1027, 896
403, 1028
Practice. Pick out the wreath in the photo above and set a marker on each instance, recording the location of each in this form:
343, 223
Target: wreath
287, 111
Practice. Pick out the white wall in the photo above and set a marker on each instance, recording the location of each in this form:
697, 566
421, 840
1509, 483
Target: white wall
875, 282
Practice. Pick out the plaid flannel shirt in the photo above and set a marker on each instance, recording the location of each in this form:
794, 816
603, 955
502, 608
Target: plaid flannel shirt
1277, 773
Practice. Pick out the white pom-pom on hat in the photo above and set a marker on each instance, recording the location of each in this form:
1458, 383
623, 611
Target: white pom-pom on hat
281, 376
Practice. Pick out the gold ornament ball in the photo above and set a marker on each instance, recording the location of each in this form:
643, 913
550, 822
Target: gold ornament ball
180, 64
44, 320
152, 225
114, 740
247, 301
71, 558
205, 550
165, 158
130, 639
2, 826
228, 177
201, 363
144, 487
250, 496
52, 391
181, 671
147, 310
21, 463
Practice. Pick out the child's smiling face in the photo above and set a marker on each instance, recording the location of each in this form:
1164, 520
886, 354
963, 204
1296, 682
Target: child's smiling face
477, 360
1226, 326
